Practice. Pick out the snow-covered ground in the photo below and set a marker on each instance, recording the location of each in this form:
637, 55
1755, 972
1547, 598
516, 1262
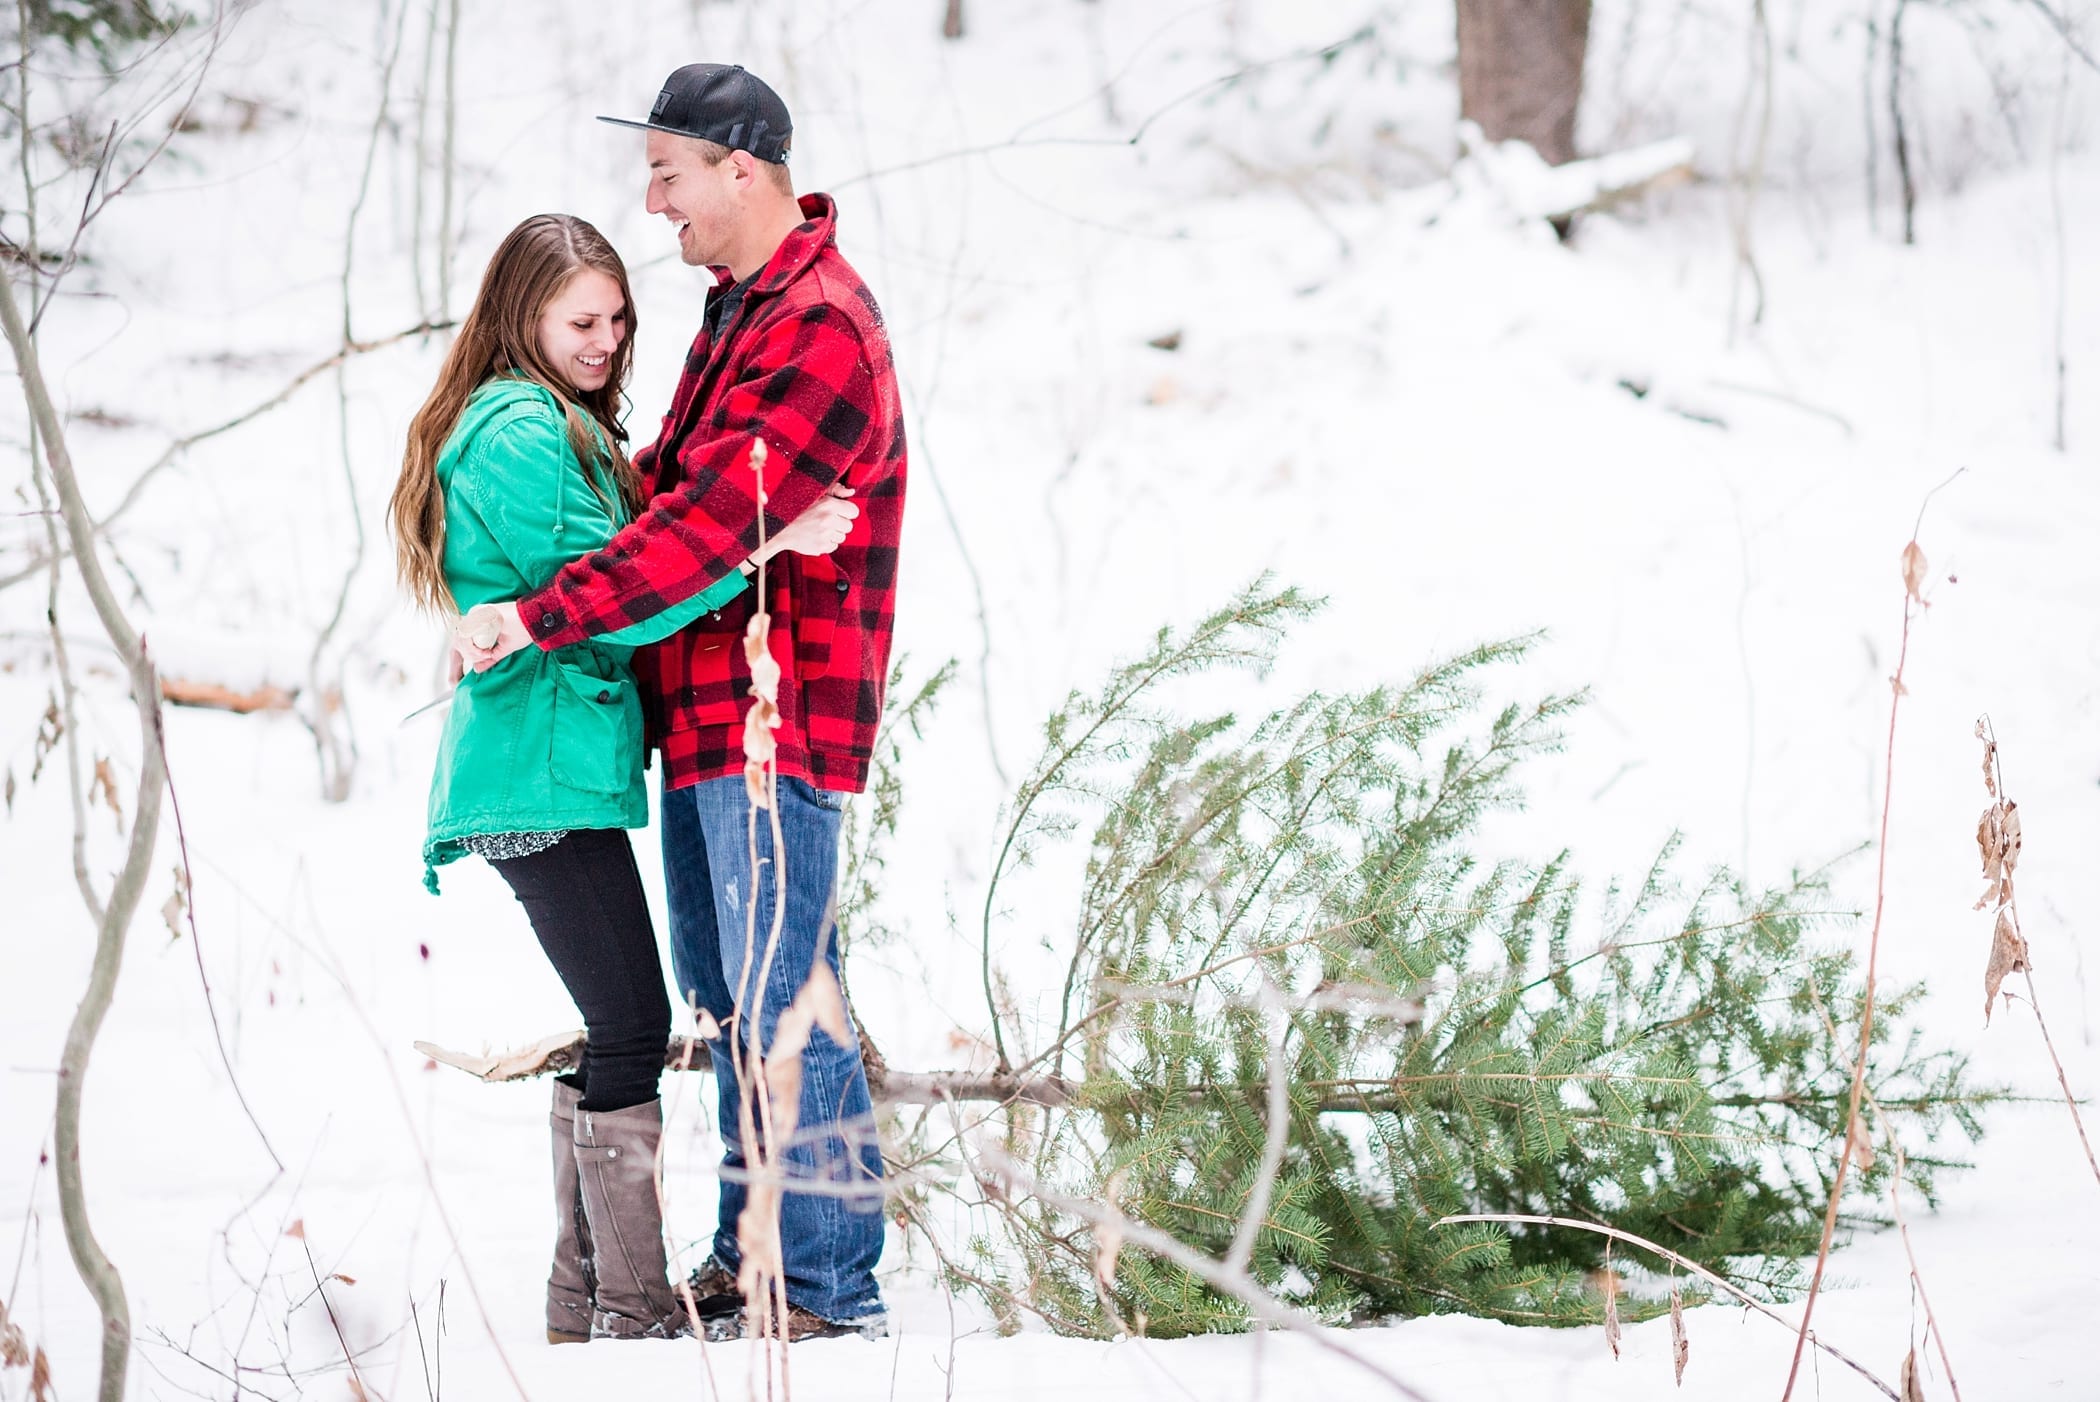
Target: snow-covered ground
1387, 391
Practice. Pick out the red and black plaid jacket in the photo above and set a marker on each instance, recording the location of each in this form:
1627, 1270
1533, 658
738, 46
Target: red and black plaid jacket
804, 363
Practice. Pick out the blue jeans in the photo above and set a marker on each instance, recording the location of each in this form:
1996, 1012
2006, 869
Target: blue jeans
829, 1240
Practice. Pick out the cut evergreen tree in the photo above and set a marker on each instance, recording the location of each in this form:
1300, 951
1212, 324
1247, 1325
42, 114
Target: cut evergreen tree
1302, 887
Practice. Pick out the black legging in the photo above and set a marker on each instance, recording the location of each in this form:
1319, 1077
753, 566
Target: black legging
584, 898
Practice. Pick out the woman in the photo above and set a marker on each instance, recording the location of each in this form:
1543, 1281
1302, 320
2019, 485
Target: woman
514, 467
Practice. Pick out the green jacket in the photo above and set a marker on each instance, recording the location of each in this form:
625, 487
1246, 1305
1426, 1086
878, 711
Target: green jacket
543, 741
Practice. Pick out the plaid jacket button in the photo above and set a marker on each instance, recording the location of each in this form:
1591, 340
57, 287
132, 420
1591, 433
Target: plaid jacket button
842, 586
548, 622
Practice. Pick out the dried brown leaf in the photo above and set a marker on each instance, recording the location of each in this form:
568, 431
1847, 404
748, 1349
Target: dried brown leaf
1990, 776
1860, 1147
50, 728
1912, 1387
104, 786
1914, 571
338, 1275
296, 1231
178, 902
763, 718
2008, 956
765, 668
1896, 685
14, 1346
1606, 1283
2009, 835
1680, 1343
40, 1377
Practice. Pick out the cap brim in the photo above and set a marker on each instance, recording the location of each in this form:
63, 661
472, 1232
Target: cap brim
643, 126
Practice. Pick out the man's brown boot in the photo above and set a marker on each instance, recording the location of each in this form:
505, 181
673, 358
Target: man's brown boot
714, 1289
616, 1168
569, 1282
801, 1325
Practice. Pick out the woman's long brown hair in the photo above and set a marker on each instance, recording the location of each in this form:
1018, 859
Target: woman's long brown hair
501, 336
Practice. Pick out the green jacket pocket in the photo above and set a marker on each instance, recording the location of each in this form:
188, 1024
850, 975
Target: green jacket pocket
597, 731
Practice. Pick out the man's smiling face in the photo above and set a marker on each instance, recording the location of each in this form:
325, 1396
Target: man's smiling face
698, 198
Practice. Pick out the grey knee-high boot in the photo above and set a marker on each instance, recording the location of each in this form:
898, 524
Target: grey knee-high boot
616, 1168
569, 1281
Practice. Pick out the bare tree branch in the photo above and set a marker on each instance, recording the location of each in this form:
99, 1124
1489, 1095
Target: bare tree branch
97, 1271
2063, 29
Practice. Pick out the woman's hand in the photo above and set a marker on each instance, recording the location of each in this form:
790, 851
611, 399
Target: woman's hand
816, 531
488, 634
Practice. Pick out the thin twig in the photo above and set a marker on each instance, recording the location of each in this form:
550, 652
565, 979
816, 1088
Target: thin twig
2034, 1003
1730, 1288
1909, 185
422, 1350
2056, 214
1917, 1279
2063, 29
1751, 180
327, 961
1912, 602
189, 908
349, 1355
445, 230
298, 382
61, 658
1215, 1274
684, 1288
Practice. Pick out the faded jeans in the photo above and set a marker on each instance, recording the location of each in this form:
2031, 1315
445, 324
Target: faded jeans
829, 1240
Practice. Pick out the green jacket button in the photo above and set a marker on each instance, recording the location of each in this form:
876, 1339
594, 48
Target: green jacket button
604, 698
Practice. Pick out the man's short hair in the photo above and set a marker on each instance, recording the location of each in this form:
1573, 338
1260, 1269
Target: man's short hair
714, 153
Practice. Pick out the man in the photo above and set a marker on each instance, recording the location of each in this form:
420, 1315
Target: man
792, 353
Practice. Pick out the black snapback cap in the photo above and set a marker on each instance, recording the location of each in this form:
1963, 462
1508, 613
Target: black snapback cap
720, 102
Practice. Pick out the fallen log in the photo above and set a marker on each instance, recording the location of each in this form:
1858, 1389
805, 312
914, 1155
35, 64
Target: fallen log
212, 696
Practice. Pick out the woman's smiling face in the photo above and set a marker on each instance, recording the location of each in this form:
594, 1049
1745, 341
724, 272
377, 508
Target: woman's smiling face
581, 329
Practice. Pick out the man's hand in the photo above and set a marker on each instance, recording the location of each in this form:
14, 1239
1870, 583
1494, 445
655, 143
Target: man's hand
817, 531
488, 634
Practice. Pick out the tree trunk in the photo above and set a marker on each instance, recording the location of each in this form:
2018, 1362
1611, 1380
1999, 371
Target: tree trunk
1520, 70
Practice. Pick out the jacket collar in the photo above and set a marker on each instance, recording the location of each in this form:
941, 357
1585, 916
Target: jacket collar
796, 252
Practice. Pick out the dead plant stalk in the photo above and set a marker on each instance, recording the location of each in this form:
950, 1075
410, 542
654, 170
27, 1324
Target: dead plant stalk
2009, 909
1914, 572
